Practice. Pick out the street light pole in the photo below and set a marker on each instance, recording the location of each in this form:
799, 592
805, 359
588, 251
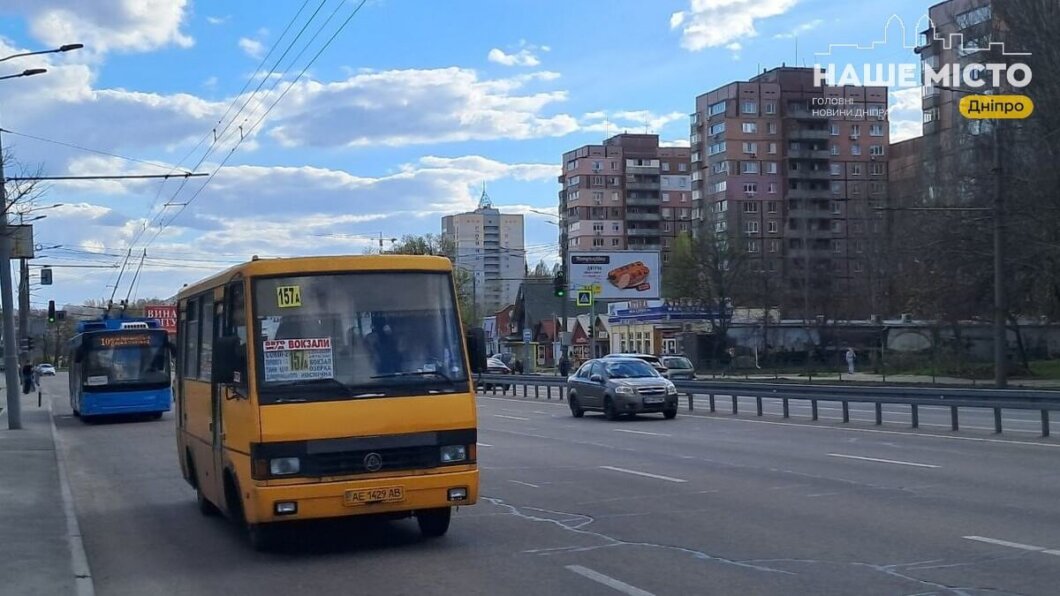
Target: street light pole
1000, 306
14, 404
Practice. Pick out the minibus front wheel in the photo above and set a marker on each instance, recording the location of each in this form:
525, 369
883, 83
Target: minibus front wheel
434, 522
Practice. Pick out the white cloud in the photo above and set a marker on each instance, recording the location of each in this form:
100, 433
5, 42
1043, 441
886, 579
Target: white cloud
252, 47
526, 55
218, 20
735, 47
800, 29
296, 210
106, 25
632, 120
905, 114
716, 23
405, 107
520, 58
675, 143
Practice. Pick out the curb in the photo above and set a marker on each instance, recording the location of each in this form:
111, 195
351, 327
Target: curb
83, 585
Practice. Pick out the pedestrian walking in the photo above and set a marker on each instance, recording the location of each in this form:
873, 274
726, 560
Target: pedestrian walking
564, 366
851, 357
28, 383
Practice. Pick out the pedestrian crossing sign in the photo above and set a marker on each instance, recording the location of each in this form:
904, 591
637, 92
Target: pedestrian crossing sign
584, 298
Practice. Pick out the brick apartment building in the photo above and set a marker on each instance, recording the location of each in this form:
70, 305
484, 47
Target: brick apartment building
625, 194
792, 174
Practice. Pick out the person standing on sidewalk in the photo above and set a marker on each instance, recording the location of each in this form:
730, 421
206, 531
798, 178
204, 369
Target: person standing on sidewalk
851, 357
564, 366
28, 379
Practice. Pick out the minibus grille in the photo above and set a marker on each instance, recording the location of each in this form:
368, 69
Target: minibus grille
356, 462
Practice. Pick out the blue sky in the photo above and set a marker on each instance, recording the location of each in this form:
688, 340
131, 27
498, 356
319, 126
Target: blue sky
401, 119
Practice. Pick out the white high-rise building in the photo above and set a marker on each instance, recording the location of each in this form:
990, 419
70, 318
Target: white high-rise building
490, 246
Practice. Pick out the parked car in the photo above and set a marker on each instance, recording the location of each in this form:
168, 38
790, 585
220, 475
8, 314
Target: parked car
620, 386
495, 366
679, 368
654, 361
45, 370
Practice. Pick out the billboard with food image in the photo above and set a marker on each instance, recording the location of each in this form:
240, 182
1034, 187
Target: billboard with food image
616, 275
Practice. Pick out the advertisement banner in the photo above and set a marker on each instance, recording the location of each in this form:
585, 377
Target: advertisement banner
616, 275
165, 313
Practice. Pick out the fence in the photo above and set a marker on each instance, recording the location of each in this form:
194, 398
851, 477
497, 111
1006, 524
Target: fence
997, 400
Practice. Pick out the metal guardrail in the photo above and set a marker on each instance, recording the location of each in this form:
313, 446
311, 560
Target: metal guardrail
914, 397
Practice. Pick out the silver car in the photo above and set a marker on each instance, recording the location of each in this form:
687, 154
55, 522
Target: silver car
620, 386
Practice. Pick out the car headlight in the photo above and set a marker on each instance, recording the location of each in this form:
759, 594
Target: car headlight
453, 453
284, 466
625, 390
671, 389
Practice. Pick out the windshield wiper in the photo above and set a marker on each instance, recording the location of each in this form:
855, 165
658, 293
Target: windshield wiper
415, 373
335, 383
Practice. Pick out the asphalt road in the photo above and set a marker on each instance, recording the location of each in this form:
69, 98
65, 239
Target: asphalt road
698, 505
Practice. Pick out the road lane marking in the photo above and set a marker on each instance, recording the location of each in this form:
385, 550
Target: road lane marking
639, 432
645, 474
484, 445
510, 417
1030, 547
608, 581
525, 483
884, 461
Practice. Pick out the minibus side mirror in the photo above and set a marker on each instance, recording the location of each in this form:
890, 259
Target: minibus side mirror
476, 350
225, 360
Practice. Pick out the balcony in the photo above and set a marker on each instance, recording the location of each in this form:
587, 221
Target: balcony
642, 170
643, 201
808, 154
809, 174
643, 185
644, 243
805, 193
642, 232
809, 134
656, 216
809, 213
812, 233
806, 114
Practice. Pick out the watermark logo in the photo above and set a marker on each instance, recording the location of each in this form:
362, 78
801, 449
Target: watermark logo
977, 70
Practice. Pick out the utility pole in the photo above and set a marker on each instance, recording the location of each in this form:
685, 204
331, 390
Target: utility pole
1000, 307
23, 297
14, 403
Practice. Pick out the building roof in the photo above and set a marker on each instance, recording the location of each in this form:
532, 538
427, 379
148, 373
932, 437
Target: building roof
537, 301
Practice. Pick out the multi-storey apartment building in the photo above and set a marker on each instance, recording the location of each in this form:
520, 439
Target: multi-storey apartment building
625, 194
489, 246
791, 173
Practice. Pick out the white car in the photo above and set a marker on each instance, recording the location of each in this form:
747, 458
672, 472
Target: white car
45, 370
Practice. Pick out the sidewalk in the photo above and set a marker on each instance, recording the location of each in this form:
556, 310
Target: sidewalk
38, 541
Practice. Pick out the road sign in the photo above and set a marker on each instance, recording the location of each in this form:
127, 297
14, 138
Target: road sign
584, 298
527, 336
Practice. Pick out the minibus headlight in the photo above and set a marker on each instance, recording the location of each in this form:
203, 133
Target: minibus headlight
284, 466
453, 453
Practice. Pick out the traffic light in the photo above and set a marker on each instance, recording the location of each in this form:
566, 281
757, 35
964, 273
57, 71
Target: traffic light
559, 285
51, 311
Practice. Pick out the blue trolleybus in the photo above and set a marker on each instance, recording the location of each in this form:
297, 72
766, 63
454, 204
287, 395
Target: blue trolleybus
120, 366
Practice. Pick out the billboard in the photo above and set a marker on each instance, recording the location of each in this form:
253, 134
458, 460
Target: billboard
165, 313
616, 275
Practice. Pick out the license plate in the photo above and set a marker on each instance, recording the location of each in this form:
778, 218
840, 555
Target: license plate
653, 400
385, 494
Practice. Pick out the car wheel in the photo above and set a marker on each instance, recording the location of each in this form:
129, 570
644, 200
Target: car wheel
609, 409
670, 414
575, 408
434, 522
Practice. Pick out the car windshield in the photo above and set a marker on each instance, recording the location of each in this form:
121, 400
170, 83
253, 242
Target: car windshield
629, 369
679, 362
126, 359
355, 335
